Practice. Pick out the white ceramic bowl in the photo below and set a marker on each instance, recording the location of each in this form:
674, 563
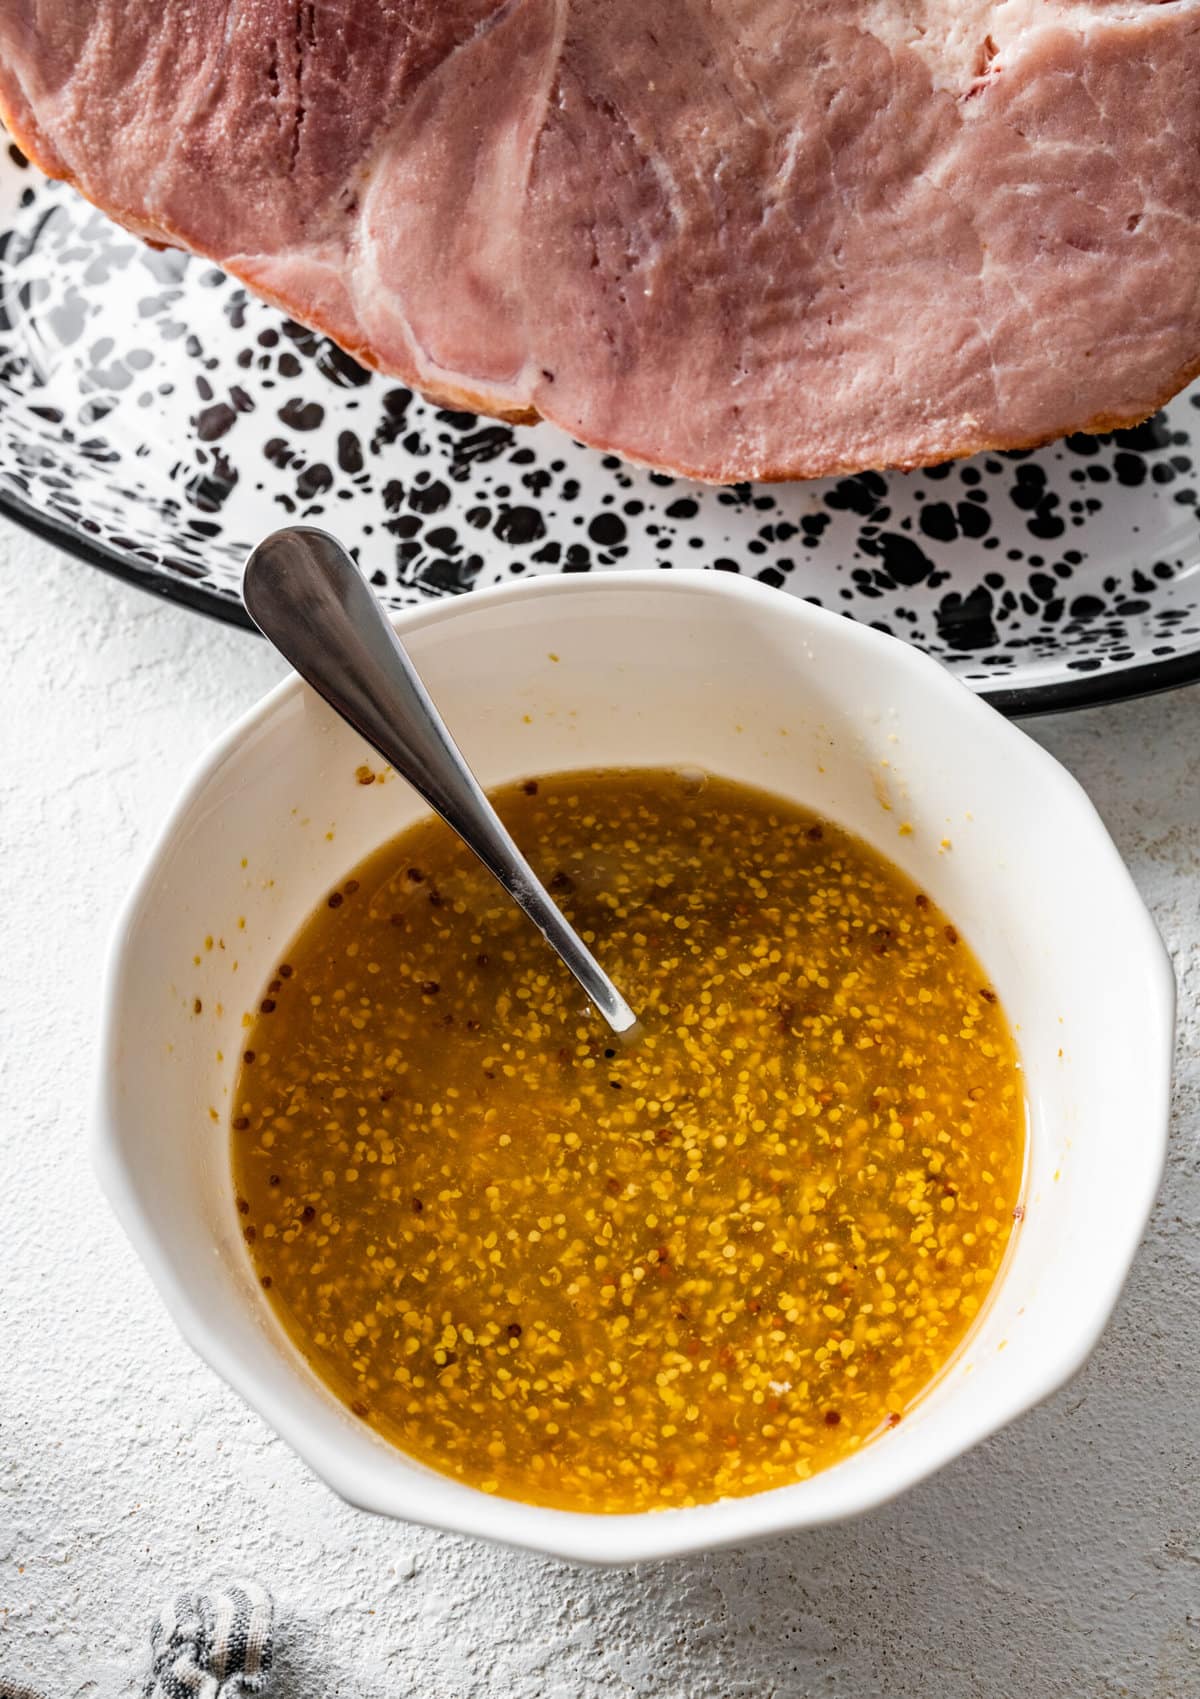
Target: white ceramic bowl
639, 669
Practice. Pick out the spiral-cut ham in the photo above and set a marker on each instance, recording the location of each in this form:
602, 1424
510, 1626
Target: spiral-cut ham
732, 238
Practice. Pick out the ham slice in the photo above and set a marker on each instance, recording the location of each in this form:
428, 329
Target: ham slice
736, 239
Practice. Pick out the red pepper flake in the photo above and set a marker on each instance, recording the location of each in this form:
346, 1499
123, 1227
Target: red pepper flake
1019, 1212
243, 1206
284, 970
250, 1235
415, 874
267, 1006
307, 1213
514, 1330
361, 1410
530, 787
247, 1056
952, 935
350, 887
921, 900
893, 1418
832, 1418
266, 1282
987, 995
814, 834
273, 1180
430, 988
240, 1123
335, 900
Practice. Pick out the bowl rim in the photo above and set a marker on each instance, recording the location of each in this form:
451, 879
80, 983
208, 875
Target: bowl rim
439, 1502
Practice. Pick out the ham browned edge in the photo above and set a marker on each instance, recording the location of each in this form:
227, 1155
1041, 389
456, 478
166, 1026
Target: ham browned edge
735, 239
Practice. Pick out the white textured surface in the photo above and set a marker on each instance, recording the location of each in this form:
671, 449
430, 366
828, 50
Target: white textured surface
1061, 1559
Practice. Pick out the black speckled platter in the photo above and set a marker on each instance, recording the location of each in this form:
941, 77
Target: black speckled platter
156, 420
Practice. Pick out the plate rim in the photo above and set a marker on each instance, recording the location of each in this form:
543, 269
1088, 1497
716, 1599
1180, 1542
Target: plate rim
1099, 689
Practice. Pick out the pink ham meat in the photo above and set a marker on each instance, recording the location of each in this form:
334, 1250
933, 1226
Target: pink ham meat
731, 238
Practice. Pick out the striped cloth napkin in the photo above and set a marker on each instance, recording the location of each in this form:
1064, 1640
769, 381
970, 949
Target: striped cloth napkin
213, 1645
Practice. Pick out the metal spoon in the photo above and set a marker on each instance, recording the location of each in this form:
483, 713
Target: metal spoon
306, 595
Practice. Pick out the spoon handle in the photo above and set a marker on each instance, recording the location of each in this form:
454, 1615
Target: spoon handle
306, 595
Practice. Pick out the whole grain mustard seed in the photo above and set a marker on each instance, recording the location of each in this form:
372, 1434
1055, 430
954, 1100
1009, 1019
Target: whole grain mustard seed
616, 1279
